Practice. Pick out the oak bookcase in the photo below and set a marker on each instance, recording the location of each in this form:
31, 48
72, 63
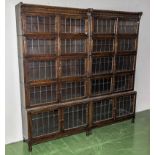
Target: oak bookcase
77, 69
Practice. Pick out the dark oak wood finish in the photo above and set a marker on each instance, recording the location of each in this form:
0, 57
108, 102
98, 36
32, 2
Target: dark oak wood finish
77, 69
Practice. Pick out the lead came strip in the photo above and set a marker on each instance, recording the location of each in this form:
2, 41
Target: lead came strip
38, 23
124, 44
119, 108
50, 24
126, 86
43, 123
73, 123
80, 50
75, 25
101, 108
105, 43
95, 111
78, 115
128, 44
127, 105
104, 105
34, 95
46, 92
38, 47
45, 70
40, 93
51, 66
70, 43
31, 23
54, 122
103, 62
68, 118
106, 28
110, 27
48, 118
82, 122
71, 89
65, 26
123, 109
37, 126
39, 71
97, 27
130, 104
50, 48
65, 45
44, 46
32, 47
70, 25
75, 45
44, 24
80, 62
80, 86
125, 26
33, 66
108, 109
80, 26
101, 26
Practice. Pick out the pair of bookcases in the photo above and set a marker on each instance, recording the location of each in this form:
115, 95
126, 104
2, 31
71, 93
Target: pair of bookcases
77, 69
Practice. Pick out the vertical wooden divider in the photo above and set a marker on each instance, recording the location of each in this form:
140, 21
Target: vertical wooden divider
29, 116
114, 65
135, 58
134, 106
89, 68
58, 70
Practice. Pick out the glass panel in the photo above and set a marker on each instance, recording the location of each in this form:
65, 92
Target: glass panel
123, 82
124, 63
42, 94
101, 86
127, 44
104, 25
40, 46
125, 26
40, 24
71, 90
41, 70
71, 25
73, 67
104, 45
45, 123
75, 116
124, 105
72, 46
102, 65
102, 110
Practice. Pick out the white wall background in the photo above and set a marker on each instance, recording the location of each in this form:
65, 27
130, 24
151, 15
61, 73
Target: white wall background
13, 109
